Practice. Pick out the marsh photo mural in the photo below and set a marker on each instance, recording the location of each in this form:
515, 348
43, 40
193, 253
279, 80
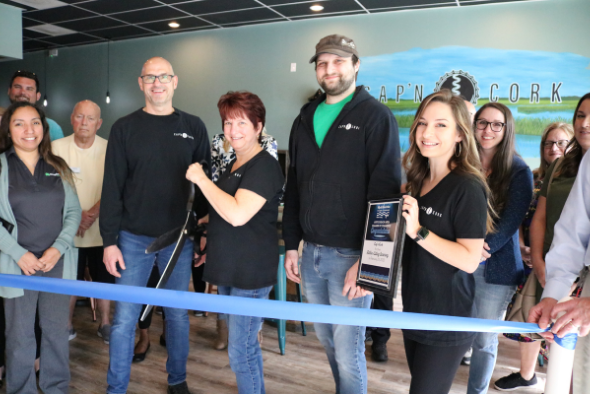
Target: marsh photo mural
539, 87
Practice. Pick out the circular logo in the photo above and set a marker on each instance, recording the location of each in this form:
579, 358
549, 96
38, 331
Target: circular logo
461, 83
184, 135
348, 126
429, 211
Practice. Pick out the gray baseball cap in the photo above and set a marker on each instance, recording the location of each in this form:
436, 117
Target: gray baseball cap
335, 44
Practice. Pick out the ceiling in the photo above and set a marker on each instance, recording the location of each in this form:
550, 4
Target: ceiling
90, 21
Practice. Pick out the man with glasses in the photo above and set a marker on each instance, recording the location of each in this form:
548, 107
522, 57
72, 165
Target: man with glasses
144, 195
24, 86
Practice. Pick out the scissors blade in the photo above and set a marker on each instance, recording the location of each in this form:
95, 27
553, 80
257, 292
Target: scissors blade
171, 263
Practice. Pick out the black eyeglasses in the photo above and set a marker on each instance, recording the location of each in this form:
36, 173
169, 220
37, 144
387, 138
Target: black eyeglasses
164, 78
560, 144
496, 127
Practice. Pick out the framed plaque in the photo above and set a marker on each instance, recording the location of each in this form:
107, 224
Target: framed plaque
383, 246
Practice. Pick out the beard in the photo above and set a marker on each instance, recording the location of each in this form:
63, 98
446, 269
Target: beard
18, 99
340, 87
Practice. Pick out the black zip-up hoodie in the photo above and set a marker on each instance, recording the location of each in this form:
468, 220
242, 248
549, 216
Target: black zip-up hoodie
328, 187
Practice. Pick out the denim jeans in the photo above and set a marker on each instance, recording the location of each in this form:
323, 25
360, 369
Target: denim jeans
138, 268
245, 356
491, 302
323, 270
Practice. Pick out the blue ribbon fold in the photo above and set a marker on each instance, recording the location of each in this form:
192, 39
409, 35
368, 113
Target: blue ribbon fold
568, 341
265, 308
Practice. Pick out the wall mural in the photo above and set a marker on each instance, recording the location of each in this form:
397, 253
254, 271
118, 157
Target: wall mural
539, 87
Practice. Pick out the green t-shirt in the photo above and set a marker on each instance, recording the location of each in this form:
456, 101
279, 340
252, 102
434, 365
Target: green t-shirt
325, 115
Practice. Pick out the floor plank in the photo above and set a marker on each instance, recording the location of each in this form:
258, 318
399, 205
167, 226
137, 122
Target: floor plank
304, 368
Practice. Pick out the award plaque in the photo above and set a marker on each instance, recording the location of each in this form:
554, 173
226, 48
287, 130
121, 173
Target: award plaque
383, 245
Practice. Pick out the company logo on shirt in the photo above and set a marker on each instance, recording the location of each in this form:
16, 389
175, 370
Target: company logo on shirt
430, 211
348, 127
184, 135
51, 174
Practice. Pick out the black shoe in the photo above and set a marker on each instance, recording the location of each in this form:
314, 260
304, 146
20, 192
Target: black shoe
514, 381
139, 357
199, 313
379, 353
162, 340
180, 388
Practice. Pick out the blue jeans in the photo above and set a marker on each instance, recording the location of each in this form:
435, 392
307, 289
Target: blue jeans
491, 302
138, 268
323, 270
245, 356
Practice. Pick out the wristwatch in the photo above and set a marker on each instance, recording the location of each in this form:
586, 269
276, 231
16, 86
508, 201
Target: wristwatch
422, 234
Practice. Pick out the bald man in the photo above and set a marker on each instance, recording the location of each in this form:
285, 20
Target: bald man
85, 152
144, 195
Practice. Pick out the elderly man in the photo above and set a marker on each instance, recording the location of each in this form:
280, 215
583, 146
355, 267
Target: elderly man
24, 86
84, 152
144, 195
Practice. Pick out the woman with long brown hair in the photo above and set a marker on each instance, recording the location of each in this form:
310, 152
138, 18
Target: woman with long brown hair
447, 217
41, 214
511, 184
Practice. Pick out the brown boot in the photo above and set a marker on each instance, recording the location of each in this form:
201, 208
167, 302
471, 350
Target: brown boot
221, 340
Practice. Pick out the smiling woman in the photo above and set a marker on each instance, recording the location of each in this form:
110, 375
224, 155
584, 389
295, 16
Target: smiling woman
45, 213
446, 221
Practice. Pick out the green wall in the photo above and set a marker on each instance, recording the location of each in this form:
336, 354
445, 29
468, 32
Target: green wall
258, 58
11, 32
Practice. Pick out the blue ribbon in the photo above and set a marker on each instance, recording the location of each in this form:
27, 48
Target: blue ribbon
264, 308
568, 341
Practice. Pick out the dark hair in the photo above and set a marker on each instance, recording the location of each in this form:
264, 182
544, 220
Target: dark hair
25, 74
44, 147
499, 179
234, 104
465, 160
568, 165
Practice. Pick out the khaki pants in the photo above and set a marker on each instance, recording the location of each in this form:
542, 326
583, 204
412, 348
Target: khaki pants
582, 357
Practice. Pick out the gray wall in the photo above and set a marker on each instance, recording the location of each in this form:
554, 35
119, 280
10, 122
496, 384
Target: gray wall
11, 32
257, 58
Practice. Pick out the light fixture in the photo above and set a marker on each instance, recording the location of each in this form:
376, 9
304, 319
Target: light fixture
108, 99
45, 81
316, 8
174, 25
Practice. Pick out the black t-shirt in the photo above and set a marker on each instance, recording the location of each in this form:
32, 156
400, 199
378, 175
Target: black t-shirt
455, 208
145, 189
247, 256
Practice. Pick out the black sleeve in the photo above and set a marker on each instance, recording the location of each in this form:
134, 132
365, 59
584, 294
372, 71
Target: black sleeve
264, 177
471, 211
202, 155
292, 231
383, 159
115, 175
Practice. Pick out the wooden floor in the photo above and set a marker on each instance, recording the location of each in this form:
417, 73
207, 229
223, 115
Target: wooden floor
303, 369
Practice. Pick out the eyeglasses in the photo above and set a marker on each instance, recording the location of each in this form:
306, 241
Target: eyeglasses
164, 78
496, 127
560, 144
